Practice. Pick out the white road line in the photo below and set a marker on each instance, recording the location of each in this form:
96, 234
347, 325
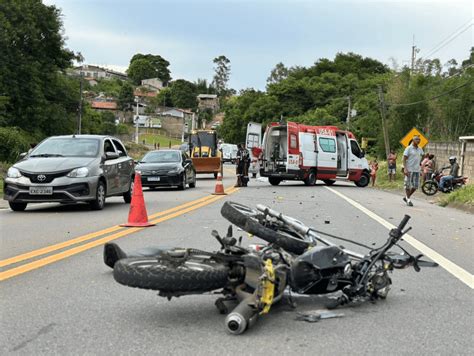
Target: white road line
458, 272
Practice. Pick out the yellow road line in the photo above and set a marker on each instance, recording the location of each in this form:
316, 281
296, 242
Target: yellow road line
78, 249
90, 236
457, 271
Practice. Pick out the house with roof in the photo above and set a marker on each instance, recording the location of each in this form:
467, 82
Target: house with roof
96, 72
104, 105
152, 84
176, 121
208, 101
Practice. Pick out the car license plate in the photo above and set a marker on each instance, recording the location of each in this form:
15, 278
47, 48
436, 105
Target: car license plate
153, 179
41, 190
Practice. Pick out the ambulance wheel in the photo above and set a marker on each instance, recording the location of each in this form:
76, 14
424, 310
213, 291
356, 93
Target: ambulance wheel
363, 181
310, 180
274, 181
329, 181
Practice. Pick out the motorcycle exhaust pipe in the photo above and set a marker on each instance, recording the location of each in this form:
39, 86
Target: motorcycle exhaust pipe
242, 317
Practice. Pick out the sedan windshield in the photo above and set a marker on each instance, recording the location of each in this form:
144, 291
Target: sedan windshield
162, 157
67, 147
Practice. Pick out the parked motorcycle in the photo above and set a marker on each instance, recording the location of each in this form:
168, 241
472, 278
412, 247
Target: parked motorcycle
431, 186
295, 258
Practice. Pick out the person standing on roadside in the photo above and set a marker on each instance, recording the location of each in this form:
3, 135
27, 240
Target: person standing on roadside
392, 165
374, 167
428, 168
411, 168
423, 163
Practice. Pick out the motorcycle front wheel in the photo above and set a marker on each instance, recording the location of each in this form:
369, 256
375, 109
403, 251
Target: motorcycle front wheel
189, 275
254, 222
429, 187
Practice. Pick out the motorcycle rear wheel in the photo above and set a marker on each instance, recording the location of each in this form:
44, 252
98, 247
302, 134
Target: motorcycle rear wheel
189, 275
253, 221
429, 187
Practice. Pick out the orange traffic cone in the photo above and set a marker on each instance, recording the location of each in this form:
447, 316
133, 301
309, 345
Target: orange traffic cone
137, 217
219, 190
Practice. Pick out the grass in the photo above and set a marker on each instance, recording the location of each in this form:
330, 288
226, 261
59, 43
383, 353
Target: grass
382, 181
151, 139
463, 196
136, 151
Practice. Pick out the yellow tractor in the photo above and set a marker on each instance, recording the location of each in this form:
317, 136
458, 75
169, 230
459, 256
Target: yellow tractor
204, 152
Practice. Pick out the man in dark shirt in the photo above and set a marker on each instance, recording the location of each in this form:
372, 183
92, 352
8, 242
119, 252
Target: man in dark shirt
453, 173
243, 162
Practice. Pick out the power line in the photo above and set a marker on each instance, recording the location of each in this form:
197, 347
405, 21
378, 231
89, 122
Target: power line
449, 39
434, 97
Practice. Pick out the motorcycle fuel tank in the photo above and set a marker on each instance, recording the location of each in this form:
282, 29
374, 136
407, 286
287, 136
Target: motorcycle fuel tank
323, 257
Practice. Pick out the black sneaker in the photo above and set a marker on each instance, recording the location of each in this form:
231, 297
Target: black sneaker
405, 200
112, 253
410, 203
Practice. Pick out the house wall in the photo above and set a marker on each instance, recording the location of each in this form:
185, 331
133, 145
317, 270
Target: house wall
172, 125
443, 150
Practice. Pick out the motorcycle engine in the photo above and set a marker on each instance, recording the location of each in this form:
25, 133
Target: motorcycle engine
379, 284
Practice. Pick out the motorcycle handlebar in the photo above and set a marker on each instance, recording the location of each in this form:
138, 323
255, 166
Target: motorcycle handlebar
404, 222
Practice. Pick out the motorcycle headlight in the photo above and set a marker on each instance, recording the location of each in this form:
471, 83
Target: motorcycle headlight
79, 173
13, 173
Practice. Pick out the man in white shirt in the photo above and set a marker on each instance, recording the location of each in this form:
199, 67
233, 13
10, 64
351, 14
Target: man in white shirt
411, 168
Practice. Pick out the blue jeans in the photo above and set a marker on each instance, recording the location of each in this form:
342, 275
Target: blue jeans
445, 179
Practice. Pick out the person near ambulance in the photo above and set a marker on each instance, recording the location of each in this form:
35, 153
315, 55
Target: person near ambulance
242, 167
411, 169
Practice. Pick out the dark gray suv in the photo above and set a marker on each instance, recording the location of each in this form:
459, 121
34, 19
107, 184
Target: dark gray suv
70, 169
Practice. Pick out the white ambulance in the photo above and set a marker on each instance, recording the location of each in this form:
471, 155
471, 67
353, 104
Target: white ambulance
292, 151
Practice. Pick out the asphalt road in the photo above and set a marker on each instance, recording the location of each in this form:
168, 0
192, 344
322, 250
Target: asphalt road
71, 305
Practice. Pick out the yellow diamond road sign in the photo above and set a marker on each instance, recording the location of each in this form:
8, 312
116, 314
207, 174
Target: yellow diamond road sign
406, 141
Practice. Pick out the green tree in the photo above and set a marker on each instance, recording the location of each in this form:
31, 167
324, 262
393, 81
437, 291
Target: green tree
278, 73
221, 74
146, 66
36, 96
163, 98
126, 97
202, 87
183, 94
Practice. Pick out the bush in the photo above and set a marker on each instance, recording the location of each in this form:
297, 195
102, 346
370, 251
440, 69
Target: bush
13, 141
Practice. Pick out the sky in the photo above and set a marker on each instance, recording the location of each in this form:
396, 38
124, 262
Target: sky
256, 35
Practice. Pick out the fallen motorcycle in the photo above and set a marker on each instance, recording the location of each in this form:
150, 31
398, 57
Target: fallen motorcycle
295, 258
431, 186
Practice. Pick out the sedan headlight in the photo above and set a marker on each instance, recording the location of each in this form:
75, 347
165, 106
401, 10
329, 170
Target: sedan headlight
13, 173
79, 173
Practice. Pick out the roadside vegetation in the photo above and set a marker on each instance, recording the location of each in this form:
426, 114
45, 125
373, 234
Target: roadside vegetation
163, 141
136, 151
463, 196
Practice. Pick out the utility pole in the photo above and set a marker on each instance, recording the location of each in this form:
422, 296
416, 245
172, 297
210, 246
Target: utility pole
136, 122
384, 121
414, 51
79, 117
349, 110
